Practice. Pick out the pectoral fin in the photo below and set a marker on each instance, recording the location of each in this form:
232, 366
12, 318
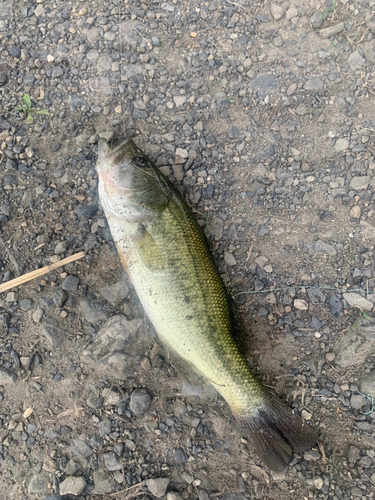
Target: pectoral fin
148, 249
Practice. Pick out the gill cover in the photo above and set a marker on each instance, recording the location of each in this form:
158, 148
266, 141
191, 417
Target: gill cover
130, 185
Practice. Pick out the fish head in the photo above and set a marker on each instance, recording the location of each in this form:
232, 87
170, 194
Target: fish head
130, 185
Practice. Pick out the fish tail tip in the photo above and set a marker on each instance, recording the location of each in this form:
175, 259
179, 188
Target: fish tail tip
276, 432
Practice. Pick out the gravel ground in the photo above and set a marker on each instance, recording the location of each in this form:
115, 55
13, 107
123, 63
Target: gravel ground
263, 114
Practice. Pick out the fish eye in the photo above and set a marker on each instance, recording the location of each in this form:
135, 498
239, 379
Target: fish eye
140, 161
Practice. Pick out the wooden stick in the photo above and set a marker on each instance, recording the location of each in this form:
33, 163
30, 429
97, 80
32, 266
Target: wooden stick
39, 272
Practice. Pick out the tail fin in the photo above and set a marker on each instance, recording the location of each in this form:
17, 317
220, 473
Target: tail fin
276, 432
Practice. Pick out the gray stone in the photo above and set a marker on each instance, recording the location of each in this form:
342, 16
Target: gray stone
104, 427
39, 10
115, 294
73, 485
314, 83
360, 182
262, 231
264, 82
111, 462
355, 300
57, 72
104, 64
355, 60
103, 483
316, 20
131, 70
357, 401
357, 344
70, 283
320, 246
72, 468
311, 455
229, 259
301, 109
26, 304
353, 455
179, 455
316, 296
140, 401
341, 145
6, 376
93, 311
81, 449
277, 11
61, 247
86, 211
38, 484
335, 305
367, 383
157, 486
53, 332
112, 349
331, 30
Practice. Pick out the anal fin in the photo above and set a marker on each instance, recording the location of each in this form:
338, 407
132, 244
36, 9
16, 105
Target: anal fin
148, 249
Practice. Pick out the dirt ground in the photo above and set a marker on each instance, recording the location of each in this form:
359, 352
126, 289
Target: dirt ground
265, 121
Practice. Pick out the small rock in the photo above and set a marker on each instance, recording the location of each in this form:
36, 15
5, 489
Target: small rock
264, 82
157, 486
277, 11
103, 483
355, 300
53, 332
26, 304
331, 30
311, 455
81, 449
110, 349
73, 485
357, 344
6, 376
318, 483
86, 211
38, 484
324, 247
360, 182
70, 283
38, 315
229, 259
330, 356
357, 401
316, 296
93, 311
314, 83
301, 305
140, 401
179, 100
353, 455
111, 462
355, 212
335, 305
262, 231
179, 455
291, 12
341, 145
355, 60
115, 294
367, 383
173, 495
61, 247
316, 20
301, 109
261, 260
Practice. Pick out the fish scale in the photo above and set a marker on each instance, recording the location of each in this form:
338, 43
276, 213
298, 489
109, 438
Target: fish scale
171, 268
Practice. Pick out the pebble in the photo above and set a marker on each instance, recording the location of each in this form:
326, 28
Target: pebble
115, 294
103, 483
311, 455
73, 485
357, 401
61, 247
360, 183
332, 30
38, 484
355, 212
314, 83
157, 486
277, 11
53, 332
140, 401
335, 305
355, 300
321, 246
318, 482
355, 60
70, 283
94, 311
229, 259
341, 145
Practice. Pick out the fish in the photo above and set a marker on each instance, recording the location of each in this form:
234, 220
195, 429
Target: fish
168, 260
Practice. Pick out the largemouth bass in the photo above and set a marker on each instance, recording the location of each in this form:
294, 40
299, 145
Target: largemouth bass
171, 268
